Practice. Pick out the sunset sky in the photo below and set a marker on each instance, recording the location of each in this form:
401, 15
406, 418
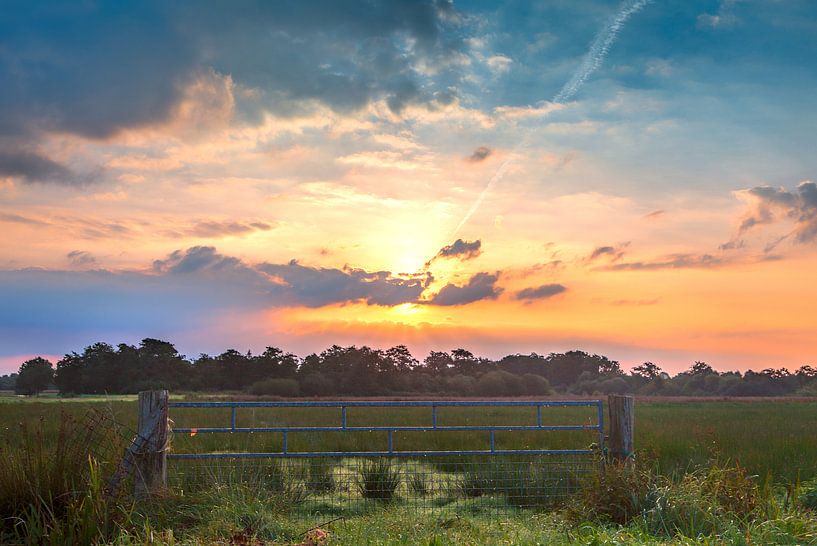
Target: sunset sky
298, 174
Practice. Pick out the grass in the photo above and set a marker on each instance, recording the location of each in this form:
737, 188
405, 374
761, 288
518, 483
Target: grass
708, 472
378, 480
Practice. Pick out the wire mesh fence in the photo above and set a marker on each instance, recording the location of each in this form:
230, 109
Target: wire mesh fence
468, 456
338, 486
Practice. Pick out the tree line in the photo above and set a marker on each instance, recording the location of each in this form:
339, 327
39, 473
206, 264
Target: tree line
363, 371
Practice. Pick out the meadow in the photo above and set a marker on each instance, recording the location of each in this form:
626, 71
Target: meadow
767, 444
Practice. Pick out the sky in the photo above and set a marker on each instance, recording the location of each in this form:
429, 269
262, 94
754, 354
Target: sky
634, 179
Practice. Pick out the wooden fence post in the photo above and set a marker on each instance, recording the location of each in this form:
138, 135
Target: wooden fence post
622, 424
151, 458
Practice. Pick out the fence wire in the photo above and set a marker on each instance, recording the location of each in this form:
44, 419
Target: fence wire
339, 486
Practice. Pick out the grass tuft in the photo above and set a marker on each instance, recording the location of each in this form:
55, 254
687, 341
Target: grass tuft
378, 480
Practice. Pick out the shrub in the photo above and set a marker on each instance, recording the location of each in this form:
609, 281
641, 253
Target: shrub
808, 495
378, 480
536, 385
499, 383
705, 502
275, 387
617, 495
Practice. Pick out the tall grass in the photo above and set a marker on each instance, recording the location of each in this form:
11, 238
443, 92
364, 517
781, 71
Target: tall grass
52, 489
379, 480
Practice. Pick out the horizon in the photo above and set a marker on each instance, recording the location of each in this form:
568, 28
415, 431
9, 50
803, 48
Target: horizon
631, 178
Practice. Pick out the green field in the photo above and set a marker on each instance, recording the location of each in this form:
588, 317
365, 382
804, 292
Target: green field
773, 440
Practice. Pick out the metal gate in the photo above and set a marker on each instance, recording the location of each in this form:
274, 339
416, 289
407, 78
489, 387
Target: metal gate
334, 456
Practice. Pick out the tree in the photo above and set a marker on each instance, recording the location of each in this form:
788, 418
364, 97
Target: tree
34, 376
438, 362
701, 368
401, 359
7, 382
69, 374
648, 370
806, 372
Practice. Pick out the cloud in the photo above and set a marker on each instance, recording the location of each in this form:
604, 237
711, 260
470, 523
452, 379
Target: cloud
316, 287
481, 286
541, 109
80, 258
612, 253
196, 259
191, 69
47, 310
31, 167
539, 292
216, 229
769, 204
673, 261
544, 267
17, 219
724, 18
136, 60
480, 154
654, 215
462, 250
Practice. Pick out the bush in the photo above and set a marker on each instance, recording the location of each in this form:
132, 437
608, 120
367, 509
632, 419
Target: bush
808, 495
275, 387
700, 503
499, 383
619, 494
378, 480
536, 385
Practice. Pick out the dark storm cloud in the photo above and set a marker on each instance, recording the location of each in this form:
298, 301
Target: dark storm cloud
798, 205
94, 68
342, 53
480, 154
540, 292
462, 250
89, 68
481, 286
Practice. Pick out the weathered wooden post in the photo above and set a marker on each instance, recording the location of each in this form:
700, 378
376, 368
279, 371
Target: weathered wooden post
622, 424
151, 456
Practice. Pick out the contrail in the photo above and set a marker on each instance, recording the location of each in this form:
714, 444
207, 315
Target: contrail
599, 49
